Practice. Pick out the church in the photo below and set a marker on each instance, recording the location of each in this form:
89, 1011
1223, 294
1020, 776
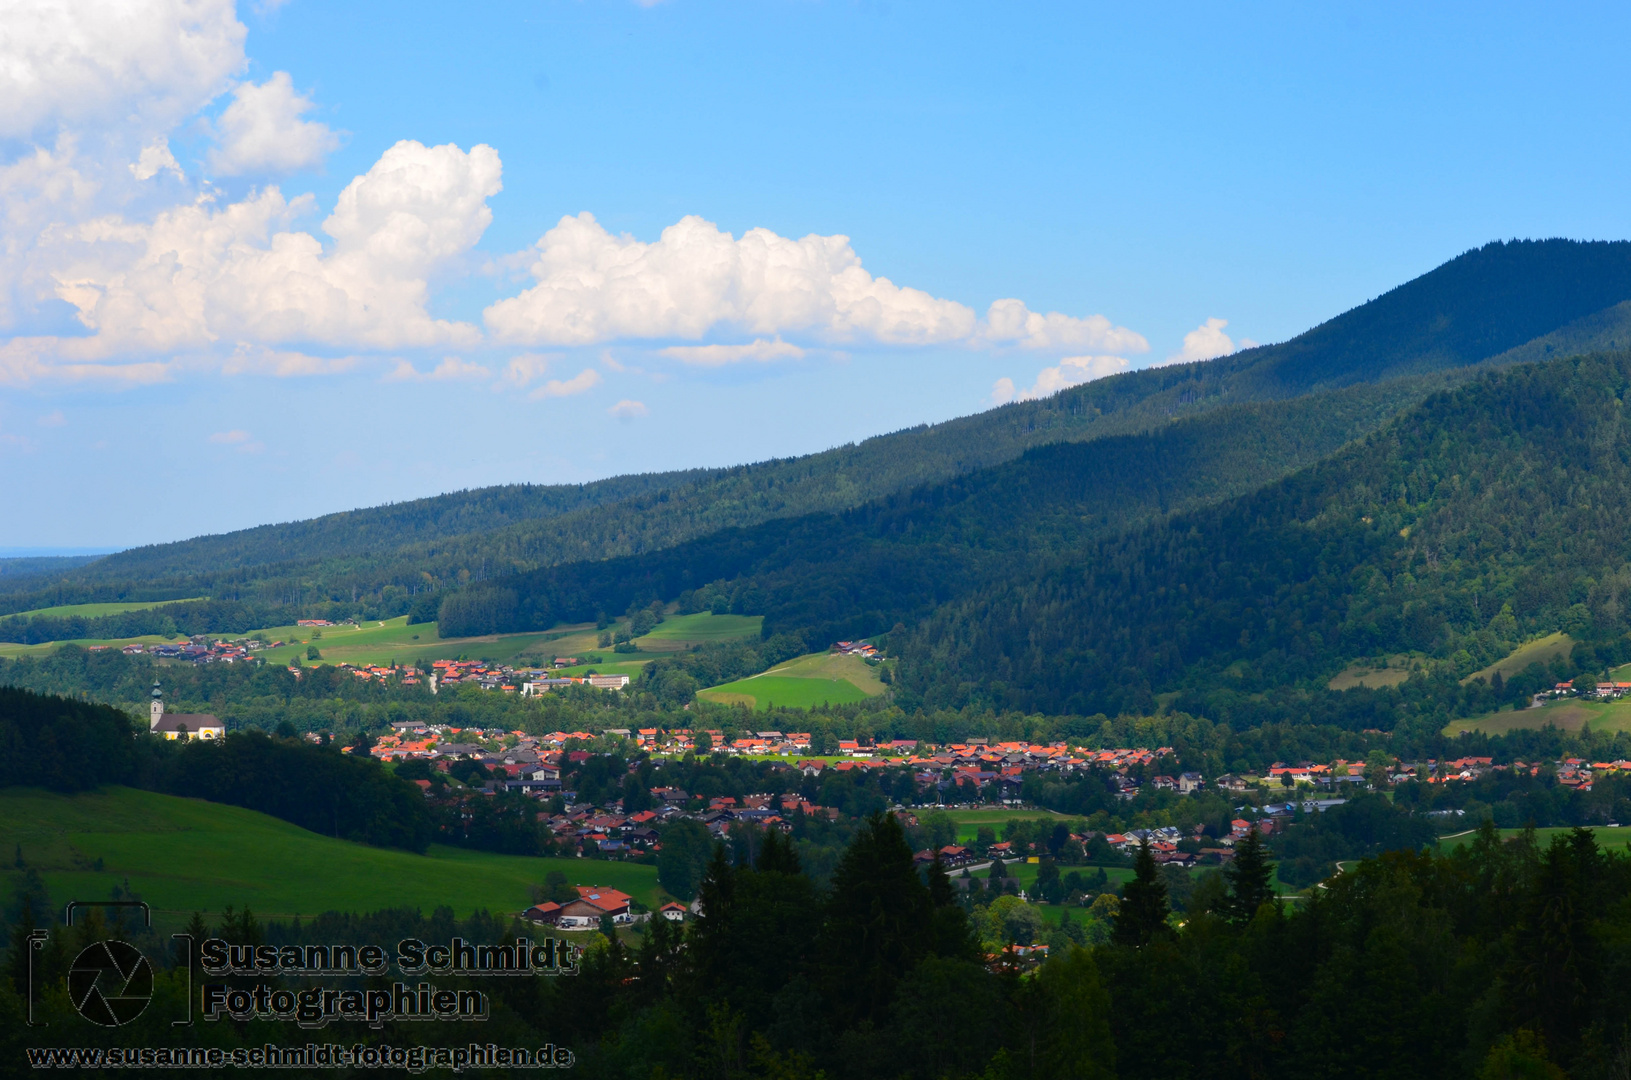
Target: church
183, 725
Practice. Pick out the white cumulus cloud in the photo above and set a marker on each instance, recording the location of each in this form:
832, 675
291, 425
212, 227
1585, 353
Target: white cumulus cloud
262, 131
451, 367
629, 410
1010, 322
1071, 371
239, 439
577, 384
595, 287
1206, 342
202, 273
167, 276
282, 363
154, 159
761, 349
526, 367
132, 64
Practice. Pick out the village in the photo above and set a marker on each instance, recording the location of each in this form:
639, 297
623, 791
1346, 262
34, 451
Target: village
969, 774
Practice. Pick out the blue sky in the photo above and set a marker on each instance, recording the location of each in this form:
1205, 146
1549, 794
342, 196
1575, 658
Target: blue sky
273, 261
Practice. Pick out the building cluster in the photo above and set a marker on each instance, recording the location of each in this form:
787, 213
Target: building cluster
1603, 691
1573, 772
198, 650
527, 682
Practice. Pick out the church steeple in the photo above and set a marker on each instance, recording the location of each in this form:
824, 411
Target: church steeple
157, 708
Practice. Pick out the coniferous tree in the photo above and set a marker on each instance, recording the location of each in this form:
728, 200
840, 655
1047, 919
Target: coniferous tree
1250, 879
1142, 916
879, 921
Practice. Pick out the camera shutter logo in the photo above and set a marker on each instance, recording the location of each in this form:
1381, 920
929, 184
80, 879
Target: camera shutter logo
110, 983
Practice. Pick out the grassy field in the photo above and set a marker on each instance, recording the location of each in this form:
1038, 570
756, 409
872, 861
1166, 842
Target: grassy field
182, 855
1607, 839
11, 650
377, 642
763, 692
381, 642
815, 679
91, 611
1396, 672
369, 643
970, 821
1570, 714
683, 631
1541, 650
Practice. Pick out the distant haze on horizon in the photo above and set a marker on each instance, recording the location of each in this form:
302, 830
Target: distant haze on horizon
264, 262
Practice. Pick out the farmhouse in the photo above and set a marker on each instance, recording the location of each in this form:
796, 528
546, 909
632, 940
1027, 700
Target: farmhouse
586, 911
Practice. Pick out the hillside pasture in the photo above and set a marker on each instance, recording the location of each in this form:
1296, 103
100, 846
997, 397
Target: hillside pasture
1540, 651
761, 692
380, 642
1569, 714
182, 855
678, 632
1395, 671
92, 611
11, 650
802, 683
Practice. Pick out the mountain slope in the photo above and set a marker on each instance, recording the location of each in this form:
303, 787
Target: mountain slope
823, 576
1472, 309
1487, 514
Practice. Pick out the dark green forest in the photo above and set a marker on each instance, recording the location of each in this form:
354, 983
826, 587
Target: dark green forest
1485, 516
825, 576
1501, 959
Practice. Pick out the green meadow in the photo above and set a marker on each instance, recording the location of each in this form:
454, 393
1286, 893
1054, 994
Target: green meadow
381, 642
682, 631
969, 822
802, 683
1618, 839
182, 855
377, 642
91, 611
11, 650
1540, 651
1569, 714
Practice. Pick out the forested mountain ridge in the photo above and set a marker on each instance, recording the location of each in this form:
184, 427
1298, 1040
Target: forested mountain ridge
823, 576
1485, 515
1476, 308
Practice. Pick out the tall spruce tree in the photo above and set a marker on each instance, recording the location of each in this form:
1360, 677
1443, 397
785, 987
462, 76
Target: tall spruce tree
879, 922
1142, 916
1250, 879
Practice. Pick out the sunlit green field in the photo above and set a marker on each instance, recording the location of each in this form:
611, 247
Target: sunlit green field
1607, 839
1569, 714
683, 631
182, 855
765, 691
802, 683
969, 822
91, 611
11, 650
377, 642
